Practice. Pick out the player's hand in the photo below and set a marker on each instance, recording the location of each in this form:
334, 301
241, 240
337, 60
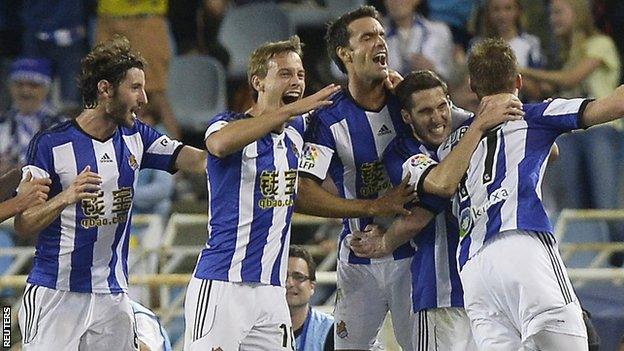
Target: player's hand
86, 185
312, 102
393, 79
32, 192
391, 203
497, 109
369, 243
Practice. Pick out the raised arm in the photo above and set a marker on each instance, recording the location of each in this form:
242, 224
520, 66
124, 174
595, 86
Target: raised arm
443, 179
312, 199
33, 220
236, 135
605, 109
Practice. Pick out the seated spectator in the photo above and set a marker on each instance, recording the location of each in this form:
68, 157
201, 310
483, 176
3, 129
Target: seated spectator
29, 85
416, 43
503, 19
456, 14
314, 330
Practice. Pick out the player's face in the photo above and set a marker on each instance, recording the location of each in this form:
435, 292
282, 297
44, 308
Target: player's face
504, 14
27, 96
430, 116
399, 9
368, 50
285, 79
128, 98
298, 292
561, 17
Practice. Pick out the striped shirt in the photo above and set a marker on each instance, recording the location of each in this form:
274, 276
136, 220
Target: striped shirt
347, 142
251, 196
435, 279
85, 249
502, 187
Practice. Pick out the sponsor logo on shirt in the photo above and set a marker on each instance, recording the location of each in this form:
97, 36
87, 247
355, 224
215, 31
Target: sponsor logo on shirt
374, 178
384, 130
273, 194
470, 215
94, 209
105, 158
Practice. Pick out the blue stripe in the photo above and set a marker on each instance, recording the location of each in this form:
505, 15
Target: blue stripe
464, 250
224, 178
494, 212
251, 269
424, 280
452, 237
84, 239
363, 149
126, 179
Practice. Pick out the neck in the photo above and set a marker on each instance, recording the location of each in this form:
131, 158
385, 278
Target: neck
404, 22
298, 315
95, 123
368, 94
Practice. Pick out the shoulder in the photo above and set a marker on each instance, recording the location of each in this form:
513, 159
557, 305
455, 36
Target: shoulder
338, 110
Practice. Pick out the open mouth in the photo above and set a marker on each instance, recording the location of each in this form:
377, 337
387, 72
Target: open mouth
438, 129
381, 58
291, 96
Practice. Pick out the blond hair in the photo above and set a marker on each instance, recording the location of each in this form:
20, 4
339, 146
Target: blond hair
259, 61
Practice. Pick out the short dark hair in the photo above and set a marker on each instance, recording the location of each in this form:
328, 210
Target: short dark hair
109, 60
417, 81
337, 34
300, 252
493, 67
259, 60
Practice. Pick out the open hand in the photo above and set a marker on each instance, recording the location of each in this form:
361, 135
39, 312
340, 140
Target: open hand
312, 102
391, 203
369, 243
497, 109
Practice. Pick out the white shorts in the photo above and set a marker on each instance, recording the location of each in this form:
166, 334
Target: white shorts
517, 286
63, 320
365, 293
446, 328
236, 316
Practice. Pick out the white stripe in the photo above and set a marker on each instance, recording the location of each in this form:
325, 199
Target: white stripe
134, 143
245, 210
344, 148
65, 167
102, 252
478, 195
272, 248
515, 150
443, 274
216, 126
559, 107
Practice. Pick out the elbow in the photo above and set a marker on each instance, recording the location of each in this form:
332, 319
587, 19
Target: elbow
216, 147
439, 189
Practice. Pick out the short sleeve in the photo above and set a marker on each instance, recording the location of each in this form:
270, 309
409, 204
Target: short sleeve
318, 149
602, 47
160, 152
416, 168
39, 158
559, 115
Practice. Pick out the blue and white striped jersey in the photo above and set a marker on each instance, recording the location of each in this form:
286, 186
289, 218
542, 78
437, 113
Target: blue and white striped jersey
435, 279
347, 142
251, 195
502, 187
86, 248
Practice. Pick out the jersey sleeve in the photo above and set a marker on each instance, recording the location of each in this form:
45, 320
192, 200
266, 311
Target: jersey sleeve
318, 149
559, 115
160, 152
39, 158
217, 122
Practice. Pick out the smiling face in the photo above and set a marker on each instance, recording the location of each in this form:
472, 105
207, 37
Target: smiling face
367, 54
127, 98
561, 17
429, 116
285, 80
298, 293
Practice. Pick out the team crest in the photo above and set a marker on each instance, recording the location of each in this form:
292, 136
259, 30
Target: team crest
341, 330
133, 162
465, 223
217, 349
420, 161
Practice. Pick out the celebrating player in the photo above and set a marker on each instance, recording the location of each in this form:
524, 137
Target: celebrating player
236, 298
76, 292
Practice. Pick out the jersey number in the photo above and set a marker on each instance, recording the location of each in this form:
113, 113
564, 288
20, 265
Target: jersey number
491, 143
287, 334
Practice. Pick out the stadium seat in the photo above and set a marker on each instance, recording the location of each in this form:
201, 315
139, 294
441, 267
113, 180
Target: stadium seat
197, 90
246, 27
585, 232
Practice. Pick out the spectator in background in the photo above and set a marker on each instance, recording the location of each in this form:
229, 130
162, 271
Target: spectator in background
29, 85
591, 67
57, 31
314, 330
456, 14
416, 43
10, 44
503, 19
144, 23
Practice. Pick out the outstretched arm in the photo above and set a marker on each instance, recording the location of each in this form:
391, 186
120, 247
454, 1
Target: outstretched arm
312, 199
191, 159
605, 109
236, 135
